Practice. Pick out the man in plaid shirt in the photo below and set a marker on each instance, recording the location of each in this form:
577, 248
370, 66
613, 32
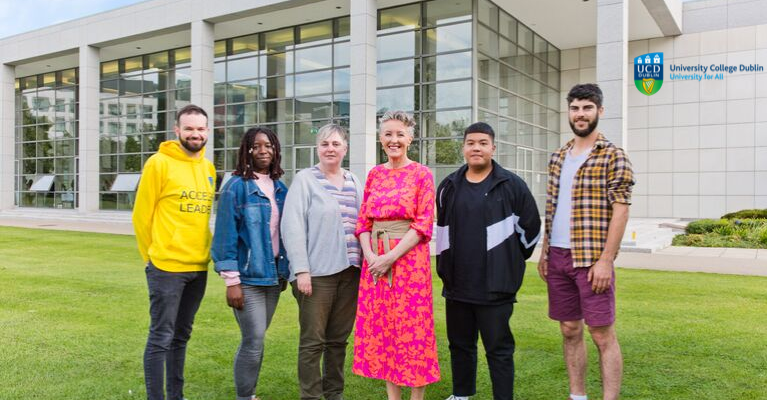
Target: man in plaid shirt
587, 207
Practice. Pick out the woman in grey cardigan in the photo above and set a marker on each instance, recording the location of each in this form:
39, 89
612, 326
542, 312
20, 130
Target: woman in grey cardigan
317, 228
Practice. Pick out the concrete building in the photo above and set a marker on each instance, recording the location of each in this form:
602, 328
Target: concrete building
84, 103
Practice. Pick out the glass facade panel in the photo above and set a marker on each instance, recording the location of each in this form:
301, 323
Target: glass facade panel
46, 140
297, 82
440, 12
447, 66
397, 73
139, 96
434, 63
518, 93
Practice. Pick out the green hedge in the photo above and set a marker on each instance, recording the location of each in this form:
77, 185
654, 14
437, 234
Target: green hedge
757, 214
744, 233
706, 225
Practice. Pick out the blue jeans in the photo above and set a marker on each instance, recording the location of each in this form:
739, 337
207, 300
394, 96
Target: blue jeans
174, 298
253, 319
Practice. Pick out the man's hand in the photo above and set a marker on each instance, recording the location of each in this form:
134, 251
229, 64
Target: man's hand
304, 283
234, 297
600, 275
543, 266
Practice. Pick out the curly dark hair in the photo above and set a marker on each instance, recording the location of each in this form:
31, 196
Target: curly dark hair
586, 91
244, 166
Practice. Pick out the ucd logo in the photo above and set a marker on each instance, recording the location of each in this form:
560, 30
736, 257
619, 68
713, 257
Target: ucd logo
648, 73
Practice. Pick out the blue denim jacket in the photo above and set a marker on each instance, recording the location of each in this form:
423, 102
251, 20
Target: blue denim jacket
242, 241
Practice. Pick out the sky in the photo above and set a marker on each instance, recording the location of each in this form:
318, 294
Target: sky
22, 16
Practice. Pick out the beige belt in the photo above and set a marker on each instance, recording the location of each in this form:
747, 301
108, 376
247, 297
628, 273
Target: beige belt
387, 230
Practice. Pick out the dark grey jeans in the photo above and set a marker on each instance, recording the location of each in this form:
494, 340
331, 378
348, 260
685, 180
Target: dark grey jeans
253, 319
174, 298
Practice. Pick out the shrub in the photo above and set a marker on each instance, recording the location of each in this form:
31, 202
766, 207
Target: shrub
756, 213
706, 225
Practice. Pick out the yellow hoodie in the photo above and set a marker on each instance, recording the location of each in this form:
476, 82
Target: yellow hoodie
172, 210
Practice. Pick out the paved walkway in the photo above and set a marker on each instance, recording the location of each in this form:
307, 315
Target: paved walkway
633, 255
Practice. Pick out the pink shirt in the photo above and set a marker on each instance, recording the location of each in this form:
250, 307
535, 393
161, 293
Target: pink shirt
266, 184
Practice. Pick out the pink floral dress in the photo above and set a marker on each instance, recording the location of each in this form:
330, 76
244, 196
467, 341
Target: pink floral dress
394, 338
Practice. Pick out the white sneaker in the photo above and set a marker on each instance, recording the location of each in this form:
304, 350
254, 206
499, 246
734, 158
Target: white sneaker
453, 397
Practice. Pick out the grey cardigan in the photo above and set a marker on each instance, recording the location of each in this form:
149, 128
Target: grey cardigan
312, 229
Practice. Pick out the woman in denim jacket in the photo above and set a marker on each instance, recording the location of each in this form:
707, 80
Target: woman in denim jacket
247, 249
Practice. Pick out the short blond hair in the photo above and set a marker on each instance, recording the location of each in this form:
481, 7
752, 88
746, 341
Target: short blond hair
328, 129
401, 116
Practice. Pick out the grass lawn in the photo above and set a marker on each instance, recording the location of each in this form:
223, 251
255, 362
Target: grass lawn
73, 322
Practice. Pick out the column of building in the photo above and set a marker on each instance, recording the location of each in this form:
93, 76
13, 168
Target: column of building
362, 121
7, 139
612, 73
88, 130
202, 40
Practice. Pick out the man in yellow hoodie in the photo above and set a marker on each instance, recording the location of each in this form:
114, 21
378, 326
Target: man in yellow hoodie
170, 218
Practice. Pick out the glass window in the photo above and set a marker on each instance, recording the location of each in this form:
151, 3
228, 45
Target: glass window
157, 61
400, 45
182, 56
341, 79
277, 87
525, 37
244, 45
443, 152
319, 32
343, 28
487, 41
445, 123
400, 18
313, 58
488, 68
447, 66
277, 111
243, 91
507, 104
133, 64
447, 38
68, 77
397, 73
447, 11
313, 83
246, 68
488, 14
487, 96
341, 54
279, 40
508, 26
219, 49
401, 98
277, 64
313, 107
447, 95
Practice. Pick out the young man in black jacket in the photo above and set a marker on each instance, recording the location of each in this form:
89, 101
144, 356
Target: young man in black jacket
487, 226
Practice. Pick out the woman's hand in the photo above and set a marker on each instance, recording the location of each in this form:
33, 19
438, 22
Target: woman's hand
381, 265
304, 283
234, 297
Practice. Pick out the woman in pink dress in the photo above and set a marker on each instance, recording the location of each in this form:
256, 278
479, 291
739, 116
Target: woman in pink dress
394, 338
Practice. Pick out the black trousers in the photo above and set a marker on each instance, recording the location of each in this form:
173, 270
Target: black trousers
464, 322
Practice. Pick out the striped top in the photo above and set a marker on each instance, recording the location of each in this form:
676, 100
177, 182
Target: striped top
347, 201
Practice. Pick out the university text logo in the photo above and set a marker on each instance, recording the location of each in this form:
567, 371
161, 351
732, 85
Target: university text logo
648, 73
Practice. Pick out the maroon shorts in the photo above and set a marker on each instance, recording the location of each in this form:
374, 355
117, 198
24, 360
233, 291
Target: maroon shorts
570, 294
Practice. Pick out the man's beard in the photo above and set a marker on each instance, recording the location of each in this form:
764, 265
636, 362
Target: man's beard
585, 132
192, 148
